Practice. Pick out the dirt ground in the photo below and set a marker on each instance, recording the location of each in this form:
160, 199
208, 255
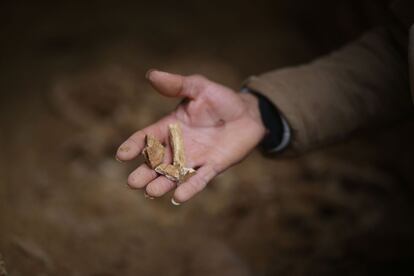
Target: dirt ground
72, 88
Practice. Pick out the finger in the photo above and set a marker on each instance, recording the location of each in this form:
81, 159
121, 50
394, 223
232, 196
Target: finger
133, 146
140, 177
194, 185
170, 85
143, 175
173, 85
159, 186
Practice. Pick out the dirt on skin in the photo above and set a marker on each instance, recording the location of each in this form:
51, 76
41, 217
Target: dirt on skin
73, 89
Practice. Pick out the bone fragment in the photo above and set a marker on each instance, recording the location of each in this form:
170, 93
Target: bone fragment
177, 144
186, 173
154, 155
153, 152
169, 171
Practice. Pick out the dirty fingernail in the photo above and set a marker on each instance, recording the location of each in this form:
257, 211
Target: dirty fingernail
147, 196
125, 148
175, 202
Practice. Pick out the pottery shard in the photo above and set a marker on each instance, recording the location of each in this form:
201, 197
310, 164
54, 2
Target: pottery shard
153, 152
169, 171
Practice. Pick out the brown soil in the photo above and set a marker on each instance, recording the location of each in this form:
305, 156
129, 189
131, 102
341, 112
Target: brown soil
73, 88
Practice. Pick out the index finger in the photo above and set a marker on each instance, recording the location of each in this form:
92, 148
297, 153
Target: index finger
134, 145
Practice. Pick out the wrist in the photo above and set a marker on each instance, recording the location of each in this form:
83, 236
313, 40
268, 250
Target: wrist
277, 130
252, 105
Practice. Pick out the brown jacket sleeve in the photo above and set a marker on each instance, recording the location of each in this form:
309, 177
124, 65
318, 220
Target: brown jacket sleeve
364, 84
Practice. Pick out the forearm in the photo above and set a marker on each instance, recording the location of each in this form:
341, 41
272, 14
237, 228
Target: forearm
363, 84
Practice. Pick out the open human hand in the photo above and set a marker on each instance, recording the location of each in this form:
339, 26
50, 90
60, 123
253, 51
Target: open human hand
220, 127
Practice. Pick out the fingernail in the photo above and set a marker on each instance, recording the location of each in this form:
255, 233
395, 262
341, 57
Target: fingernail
147, 75
175, 202
125, 147
147, 196
119, 160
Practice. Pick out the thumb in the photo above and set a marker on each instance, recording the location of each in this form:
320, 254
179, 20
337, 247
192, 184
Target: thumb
167, 84
173, 85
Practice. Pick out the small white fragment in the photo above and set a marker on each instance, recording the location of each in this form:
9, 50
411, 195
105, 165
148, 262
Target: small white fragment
175, 202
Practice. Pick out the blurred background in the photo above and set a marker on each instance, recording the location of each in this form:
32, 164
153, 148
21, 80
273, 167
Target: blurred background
72, 89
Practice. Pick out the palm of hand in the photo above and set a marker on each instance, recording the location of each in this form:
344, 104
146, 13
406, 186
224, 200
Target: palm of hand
219, 130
